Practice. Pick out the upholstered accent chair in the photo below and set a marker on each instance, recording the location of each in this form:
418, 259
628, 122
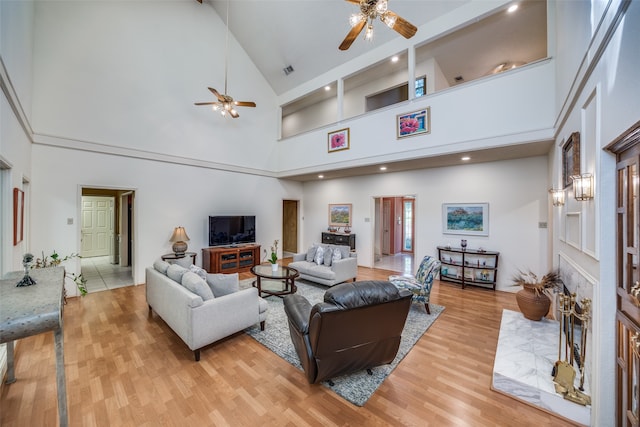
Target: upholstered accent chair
420, 284
358, 326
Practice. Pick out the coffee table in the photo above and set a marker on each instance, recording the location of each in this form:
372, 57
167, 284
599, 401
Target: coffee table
274, 282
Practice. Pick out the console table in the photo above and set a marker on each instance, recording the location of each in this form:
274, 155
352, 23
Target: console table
32, 310
230, 259
339, 239
469, 266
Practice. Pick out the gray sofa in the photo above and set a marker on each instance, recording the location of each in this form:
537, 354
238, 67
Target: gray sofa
201, 311
327, 271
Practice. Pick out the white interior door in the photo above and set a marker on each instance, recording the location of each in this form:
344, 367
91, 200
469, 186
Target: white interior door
97, 226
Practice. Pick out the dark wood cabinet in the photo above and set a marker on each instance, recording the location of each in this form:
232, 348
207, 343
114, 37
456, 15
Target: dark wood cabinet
230, 259
468, 266
339, 239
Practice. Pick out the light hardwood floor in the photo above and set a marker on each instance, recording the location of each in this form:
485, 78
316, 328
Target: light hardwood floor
126, 368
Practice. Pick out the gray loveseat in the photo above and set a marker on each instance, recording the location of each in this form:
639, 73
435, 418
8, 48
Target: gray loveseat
202, 311
327, 269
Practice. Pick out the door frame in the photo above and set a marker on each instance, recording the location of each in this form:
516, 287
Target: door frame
376, 213
133, 224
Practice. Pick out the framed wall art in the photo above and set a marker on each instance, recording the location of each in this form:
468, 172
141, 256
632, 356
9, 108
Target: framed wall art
340, 215
338, 140
570, 158
18, 216
465, 218
414, 123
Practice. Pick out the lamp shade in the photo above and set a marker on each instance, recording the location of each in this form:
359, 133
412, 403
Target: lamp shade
179, 235
179, 239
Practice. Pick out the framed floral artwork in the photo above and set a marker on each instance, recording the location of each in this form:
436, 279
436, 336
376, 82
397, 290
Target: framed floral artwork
338, 140
414, 123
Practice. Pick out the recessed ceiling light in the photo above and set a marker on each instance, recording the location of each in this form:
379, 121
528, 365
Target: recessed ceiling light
512, 8
394, 58
383, 168
320, 176
327, 88
465, 158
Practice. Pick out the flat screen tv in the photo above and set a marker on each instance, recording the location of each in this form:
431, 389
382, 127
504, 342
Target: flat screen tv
232, 230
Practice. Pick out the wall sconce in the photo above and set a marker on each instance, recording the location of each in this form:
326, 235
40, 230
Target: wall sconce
179, 239
583, 186
557, 197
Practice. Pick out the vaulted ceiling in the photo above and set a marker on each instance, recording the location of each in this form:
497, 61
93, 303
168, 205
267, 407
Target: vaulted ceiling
305, 34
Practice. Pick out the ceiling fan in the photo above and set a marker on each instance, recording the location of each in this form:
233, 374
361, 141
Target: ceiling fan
369, 11
225, 103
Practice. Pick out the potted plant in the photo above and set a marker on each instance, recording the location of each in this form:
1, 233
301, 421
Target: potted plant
54, 260
534, 297
273, 258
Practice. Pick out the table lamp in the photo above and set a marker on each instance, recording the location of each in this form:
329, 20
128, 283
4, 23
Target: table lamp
179, 239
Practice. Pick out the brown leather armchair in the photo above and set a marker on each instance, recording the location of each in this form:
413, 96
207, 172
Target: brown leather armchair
358, 326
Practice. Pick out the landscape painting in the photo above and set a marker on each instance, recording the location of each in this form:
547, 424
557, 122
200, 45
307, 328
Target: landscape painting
340, 215
466, 218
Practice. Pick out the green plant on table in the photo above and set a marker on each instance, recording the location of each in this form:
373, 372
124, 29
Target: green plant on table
273, 258
54, 260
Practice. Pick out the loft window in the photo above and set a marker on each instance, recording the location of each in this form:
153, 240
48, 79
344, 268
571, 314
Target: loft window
421, 86
395, 94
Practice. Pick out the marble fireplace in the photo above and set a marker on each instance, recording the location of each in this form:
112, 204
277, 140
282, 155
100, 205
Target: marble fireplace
528, 350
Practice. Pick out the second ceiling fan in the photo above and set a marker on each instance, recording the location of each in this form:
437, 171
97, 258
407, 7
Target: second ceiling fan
369, 11
225, 103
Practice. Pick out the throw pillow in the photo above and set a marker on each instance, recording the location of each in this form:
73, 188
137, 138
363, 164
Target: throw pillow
161, 266
184, 262
223, 284
195, 284
311, 253
319, 258
175, 272
337, 255
199, 271
328, 254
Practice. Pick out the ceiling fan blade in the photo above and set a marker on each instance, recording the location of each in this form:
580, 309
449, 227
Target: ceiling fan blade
405, 28
355, 30
234, 114
353, 1
215, 92
245, 103
205, 103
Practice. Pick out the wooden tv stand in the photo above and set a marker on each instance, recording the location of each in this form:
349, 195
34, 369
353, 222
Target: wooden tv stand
230, 259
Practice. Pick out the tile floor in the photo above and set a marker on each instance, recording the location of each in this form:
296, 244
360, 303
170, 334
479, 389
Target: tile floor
402, 263
101, 275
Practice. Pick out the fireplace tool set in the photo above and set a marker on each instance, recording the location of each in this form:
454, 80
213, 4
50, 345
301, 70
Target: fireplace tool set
564, 372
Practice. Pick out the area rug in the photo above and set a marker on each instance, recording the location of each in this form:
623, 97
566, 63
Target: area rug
358, 387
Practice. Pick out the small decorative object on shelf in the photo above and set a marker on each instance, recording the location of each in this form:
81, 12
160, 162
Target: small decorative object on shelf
27, 280
463, 244
347, 230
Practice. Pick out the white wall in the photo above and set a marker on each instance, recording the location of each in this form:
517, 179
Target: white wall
606, 103
495, 111
166, 195
125, 74
516, 191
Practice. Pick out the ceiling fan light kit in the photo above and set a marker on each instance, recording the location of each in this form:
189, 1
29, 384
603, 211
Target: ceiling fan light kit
225, 103
369, 11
